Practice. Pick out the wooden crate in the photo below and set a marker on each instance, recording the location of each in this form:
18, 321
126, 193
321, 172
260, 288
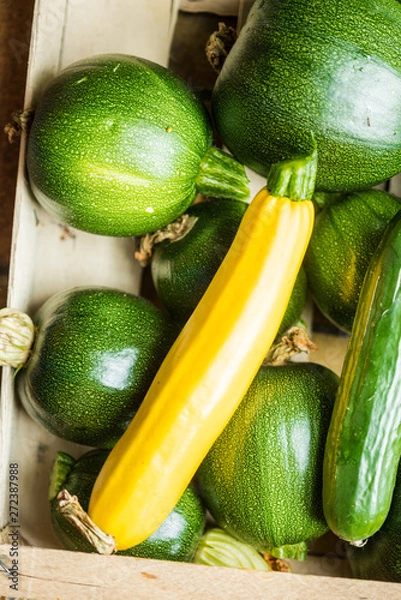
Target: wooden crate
45, 258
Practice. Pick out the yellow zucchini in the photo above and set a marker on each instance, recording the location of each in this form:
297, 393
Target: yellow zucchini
206, 373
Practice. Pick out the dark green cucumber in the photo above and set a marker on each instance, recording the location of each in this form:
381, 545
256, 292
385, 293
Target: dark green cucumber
380, 557
120, 146
364, 441
344, 238
176, 539
182, 269
300, 69
262, 479
95, 353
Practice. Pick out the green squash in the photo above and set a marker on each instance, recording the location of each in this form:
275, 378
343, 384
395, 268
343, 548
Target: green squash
95, 353
344, 238
120, 146
262, 479
183, 268
176, 539
328, 71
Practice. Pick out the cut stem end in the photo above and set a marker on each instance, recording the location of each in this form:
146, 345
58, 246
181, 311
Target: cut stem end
70, 508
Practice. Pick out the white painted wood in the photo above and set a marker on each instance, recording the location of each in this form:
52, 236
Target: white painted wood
140, 27
223, 8
45, 257
218, 7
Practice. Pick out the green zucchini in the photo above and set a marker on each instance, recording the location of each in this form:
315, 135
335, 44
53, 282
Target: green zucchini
95, 352
324, 70
261, 481
363, 446
344, 238
176, 539
120, 146
190, 262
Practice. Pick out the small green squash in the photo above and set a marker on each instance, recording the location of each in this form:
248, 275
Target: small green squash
328, 71
345, 236
176, 539
262, 479
95, 352
190, 262
120, 146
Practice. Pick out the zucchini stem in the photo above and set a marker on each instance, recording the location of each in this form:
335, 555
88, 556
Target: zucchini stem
70, 508
173, 231
219, 45
20, 123
17, 334
222, 176
297, 551
61, 469
294, 341
294, 178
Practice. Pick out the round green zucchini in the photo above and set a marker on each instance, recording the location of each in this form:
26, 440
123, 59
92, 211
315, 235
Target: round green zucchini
95, 353
344, 238
363, 446
176, 539
262, 479
120, 146
190, 262
303, 71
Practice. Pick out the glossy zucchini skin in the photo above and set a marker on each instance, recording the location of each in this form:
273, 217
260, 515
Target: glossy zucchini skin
261, 481
96, 352
363, 446
120, 146
176, 539
306, 67
344, 238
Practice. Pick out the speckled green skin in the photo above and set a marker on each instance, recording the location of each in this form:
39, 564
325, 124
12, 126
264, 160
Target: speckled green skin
190, 262
262, 478
380, 557
310, 66
95, 354
344, 238
115, 146
176, 539
363, 446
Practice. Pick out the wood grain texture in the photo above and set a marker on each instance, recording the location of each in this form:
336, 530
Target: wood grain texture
54, 574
